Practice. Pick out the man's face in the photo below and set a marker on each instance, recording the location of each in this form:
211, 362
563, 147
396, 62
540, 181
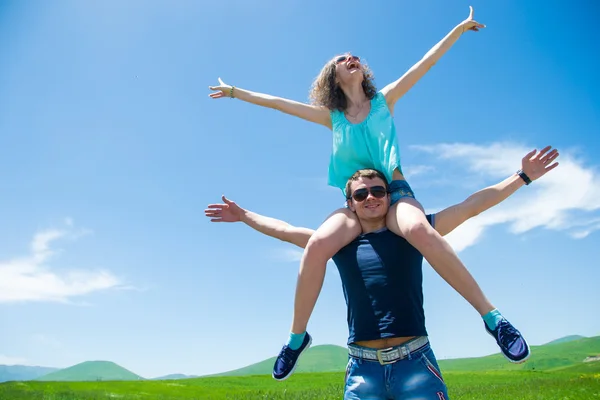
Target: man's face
373, 206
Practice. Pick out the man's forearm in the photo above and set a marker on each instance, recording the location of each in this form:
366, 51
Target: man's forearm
266, 225
450, 218
487, 198
277, 228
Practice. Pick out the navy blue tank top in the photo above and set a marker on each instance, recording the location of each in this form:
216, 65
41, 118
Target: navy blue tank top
382, 280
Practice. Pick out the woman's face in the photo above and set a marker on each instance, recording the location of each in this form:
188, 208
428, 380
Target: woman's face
348, 69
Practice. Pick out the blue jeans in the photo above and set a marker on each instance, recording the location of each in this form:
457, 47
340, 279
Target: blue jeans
416, 377
398, 190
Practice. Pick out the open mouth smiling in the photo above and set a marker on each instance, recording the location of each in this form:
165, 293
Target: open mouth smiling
352, 66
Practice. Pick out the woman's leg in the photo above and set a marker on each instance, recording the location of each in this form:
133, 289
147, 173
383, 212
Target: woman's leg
339, 229
407, 219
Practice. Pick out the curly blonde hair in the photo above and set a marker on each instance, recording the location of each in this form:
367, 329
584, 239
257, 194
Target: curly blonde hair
326, 92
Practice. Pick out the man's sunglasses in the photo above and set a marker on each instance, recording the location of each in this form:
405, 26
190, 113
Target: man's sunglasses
361, 194
345, 58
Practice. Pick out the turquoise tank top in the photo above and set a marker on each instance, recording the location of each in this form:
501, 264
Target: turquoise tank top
371, 143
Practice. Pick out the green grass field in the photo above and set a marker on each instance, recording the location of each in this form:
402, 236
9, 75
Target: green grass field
574, 383
545, 357
554, 372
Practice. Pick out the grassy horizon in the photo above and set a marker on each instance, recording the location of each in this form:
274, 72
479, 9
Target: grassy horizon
580, 382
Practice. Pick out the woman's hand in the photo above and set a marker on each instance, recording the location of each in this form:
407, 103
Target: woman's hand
222, 90
470, 24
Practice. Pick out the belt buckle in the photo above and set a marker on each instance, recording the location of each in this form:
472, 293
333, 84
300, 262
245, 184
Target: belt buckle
380, 359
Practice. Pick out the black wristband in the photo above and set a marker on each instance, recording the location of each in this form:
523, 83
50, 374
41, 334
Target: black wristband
524, 176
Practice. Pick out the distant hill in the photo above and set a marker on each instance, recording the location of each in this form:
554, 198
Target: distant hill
92, 371
323, 358
545, 357
565, 352
173, 377
22, 372
567, 339
582, 368
561, 354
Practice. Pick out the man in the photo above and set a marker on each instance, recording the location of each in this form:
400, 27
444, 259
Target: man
381, 273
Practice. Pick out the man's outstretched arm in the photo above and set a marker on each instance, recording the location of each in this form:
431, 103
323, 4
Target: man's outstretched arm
229, 211
534, 165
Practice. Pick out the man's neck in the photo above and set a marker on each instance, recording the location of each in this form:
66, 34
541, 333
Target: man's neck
372, 226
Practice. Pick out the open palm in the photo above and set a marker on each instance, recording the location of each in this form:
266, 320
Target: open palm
227, 212
535, 165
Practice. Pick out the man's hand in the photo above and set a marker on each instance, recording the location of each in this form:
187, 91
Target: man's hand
228, 212
537, 165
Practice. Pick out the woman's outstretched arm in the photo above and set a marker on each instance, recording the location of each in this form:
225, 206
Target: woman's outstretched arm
319, 115
399, 88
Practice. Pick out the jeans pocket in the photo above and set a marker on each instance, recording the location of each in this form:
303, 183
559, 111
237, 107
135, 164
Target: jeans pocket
348, 366
431, 367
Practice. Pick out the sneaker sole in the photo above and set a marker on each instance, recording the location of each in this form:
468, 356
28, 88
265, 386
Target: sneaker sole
295, 365
513, 361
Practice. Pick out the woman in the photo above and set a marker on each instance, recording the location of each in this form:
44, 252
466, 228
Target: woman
345, 100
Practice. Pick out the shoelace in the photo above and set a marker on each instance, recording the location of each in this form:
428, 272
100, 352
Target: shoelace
507, 334
287, 354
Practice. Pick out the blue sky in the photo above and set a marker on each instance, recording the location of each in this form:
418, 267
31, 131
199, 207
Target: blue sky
110, 149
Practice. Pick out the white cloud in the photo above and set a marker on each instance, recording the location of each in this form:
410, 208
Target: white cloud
566, 199
30, 278
585, 231
8, 360
287, 255
411, 171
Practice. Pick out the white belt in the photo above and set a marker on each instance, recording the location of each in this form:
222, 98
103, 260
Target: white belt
391, 354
